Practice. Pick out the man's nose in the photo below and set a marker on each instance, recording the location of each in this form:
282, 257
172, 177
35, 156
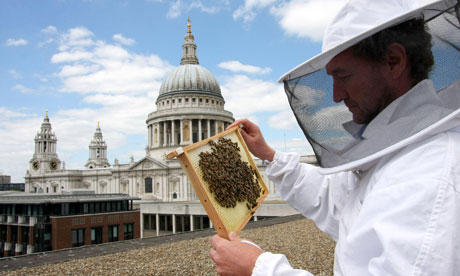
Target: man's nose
339, 92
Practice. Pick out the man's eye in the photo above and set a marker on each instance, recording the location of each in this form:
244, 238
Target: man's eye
343, 77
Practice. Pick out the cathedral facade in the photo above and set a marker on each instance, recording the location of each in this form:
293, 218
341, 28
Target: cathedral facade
190, 108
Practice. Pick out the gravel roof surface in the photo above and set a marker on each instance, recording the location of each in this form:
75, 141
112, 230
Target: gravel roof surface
305, 246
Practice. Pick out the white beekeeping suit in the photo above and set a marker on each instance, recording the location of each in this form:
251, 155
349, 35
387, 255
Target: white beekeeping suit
389, 191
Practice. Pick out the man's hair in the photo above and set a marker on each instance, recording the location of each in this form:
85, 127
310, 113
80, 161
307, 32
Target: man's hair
415, 38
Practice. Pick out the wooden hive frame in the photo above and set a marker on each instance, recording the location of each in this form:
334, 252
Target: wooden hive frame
225, 220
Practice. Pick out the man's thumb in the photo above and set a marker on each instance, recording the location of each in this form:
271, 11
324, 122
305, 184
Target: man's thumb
233, 236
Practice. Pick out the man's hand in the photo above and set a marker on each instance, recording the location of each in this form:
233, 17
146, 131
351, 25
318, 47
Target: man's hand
233, 256
254, 140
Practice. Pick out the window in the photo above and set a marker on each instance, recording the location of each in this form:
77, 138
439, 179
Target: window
85, 208
113, 233
78, 237
201, 100
207, 100
180, 100
193, 100
148, 185
54, 189
128, 231
186, 100
96, 235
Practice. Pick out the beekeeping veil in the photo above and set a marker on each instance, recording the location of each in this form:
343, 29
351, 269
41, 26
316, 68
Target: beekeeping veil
328, 126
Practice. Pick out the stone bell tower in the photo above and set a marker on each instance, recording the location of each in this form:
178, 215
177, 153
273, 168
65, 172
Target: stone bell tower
45, 158
97, 151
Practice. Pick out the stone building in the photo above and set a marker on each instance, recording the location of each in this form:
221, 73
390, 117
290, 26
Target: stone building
189, 108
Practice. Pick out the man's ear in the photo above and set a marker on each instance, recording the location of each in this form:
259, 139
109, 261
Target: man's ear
397, 60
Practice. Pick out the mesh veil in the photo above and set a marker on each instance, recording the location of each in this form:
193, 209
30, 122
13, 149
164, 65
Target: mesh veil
328, 126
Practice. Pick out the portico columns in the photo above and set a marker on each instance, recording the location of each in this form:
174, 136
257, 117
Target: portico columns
199, 130
157, 224
209, 127
191, 131
181, 133
165, 136
173, 134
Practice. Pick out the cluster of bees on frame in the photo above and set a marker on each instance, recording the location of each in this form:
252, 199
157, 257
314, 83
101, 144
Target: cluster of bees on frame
230, 179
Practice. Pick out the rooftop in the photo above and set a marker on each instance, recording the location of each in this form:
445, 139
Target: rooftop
74, 196
305, 246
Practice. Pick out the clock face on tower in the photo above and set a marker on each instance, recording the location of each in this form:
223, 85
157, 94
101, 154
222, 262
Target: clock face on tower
36, 165
53, 165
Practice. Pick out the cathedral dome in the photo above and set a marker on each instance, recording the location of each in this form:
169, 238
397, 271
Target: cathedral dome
192, 78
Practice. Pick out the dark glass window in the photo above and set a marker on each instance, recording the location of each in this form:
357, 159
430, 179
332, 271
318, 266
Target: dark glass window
96, 235
113, 233
128, 231
148, 185
78, 237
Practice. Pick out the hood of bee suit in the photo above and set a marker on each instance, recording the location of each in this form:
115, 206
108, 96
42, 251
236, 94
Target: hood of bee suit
339, 143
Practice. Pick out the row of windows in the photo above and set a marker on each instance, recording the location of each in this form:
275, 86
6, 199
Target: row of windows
78, 235
65, 208
186, 100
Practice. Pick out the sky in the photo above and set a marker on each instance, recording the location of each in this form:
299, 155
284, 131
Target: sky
89, 61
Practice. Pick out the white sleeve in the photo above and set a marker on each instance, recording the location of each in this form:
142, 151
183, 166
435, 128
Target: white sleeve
316, 196
275, 264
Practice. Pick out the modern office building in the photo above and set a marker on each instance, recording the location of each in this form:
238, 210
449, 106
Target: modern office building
41, 222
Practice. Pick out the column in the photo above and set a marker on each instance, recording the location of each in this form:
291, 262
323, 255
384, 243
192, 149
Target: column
174, 223
209, 127
191, 131
173, 132
199, 130
157, 222
255, 218
210, 223
215, 126
149, 131
142, 224
181, 133
191, 222
158, 134
165, 133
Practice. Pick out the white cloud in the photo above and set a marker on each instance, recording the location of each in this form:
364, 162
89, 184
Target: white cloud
6, 113
246, 97
248, 11
16, 42
123, 40
76, 38
236, 66
283, 120
94, 66
49, 30
24, 90
15, 74
306, 18
70, 56
299, 145
177, 7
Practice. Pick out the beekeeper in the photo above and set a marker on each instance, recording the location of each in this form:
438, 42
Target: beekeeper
380, 107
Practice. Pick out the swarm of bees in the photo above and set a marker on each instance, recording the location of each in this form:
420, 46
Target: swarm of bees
229, 179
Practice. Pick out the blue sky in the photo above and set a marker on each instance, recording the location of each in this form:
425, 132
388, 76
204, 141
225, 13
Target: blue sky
104, 60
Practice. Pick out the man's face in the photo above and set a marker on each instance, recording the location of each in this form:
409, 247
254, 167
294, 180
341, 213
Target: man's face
361, 84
